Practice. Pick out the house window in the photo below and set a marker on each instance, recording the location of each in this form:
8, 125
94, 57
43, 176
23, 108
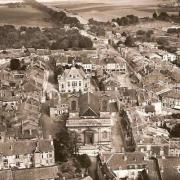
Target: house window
79, 83
73, 105
69, 84
74, 83
50, 155
62, 86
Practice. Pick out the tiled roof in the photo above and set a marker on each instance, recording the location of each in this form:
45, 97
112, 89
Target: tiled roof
6, 175
30, 174
89, 105
170, 168
172, 94
116, 160
36, 173
24, 147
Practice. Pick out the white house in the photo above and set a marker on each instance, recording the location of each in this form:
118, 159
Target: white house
26, 154
74, 80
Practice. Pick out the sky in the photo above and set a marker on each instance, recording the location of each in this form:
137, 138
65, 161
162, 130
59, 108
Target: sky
9, 1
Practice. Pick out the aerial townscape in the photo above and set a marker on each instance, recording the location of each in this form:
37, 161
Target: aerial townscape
90, 90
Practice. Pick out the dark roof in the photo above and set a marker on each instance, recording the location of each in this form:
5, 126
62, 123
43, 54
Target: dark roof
36, 173
24, 147
150, 109
169, 167
109, 60
30, 174
6, 175
89, 105
175, 94
113, 107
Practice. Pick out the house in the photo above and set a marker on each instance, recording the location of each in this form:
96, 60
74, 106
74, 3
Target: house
111, 84
171, 99
9, 100
90, 118
23, 154
114, 65
59, 110
121, 165
74, 80
127, 97
166, 56
169, 168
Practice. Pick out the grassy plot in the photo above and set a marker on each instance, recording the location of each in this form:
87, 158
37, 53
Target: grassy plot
27, 16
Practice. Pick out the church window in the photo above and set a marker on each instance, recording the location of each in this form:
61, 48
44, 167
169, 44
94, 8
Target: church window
73, 105
105, 135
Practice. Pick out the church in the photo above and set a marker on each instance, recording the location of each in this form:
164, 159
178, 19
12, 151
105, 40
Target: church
91, 118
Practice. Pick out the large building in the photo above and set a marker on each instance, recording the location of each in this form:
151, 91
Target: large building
74, 80
90, 118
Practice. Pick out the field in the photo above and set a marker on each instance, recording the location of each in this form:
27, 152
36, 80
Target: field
26, 16
107, 9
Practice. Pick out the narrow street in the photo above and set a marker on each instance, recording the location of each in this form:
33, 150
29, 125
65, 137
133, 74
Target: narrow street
92, 168
117, 141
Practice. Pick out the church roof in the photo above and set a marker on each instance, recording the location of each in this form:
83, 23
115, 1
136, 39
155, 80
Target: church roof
89, 105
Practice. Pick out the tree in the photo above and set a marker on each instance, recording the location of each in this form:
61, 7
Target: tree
155, 16
66, 145
129, 41
84, 160
163, 16
15, 64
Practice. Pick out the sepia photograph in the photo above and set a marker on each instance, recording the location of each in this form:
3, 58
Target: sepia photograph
89, 89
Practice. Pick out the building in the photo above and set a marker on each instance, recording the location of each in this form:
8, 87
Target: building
114, 65
45, 173
122, 165
74, 80
171, 99
26, 154
90, 118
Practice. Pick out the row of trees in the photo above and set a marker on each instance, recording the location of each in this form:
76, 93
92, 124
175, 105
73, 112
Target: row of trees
59, 17
48, 38
126, 20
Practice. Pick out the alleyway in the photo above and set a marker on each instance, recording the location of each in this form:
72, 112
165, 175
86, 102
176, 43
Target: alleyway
92, 169
117, 141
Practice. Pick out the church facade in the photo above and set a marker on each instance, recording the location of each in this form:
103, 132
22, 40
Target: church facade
90, 118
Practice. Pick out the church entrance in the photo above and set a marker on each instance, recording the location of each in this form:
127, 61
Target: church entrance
89, 137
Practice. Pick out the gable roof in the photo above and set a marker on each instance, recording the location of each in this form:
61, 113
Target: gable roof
73, 70
116, 160
89, 105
